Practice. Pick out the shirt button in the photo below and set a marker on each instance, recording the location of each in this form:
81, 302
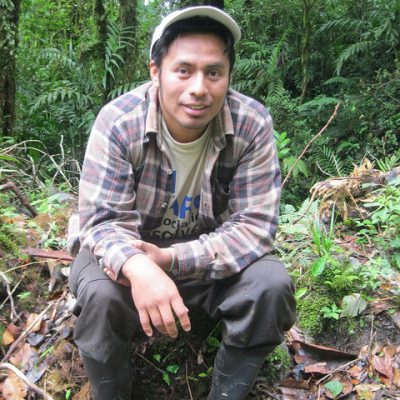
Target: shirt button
169, 172
164, 205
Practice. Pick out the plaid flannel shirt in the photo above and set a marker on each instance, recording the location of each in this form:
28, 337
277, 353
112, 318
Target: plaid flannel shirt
125, 186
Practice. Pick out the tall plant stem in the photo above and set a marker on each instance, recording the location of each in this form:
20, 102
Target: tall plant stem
310, 143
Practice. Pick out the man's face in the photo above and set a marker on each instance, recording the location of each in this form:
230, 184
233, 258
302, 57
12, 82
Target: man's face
193, 81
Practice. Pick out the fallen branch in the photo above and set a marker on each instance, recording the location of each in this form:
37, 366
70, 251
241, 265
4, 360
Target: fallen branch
24, 379
54, 254
22, 198
310, 143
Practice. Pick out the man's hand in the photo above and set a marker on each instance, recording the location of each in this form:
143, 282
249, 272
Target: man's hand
161, 256
155, 295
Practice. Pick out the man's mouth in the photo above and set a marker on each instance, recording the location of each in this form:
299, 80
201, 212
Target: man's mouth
195, 107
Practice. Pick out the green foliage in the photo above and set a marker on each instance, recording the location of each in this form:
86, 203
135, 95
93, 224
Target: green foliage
309, 311
323, 245
332, 311
8, 238
335, 387
287, 160
257, 71
329, 163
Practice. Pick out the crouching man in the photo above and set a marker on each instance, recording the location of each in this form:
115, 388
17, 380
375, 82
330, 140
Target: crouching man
178, 210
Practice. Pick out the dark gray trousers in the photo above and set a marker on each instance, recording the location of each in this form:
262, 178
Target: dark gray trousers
255, 307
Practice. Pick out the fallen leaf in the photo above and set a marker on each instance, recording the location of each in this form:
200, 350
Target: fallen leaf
366, 391
319, 368
31, 319
396, 318
353, 305
383, 365
295, 383
24, 357
339, 380
13, 388
8, 337
293, 394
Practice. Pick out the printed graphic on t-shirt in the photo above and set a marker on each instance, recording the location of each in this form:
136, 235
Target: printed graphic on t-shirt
188, 161
181, 216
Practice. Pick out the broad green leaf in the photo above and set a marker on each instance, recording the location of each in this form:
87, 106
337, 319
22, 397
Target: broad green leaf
335, 387
318, 266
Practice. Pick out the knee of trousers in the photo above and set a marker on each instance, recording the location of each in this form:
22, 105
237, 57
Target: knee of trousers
106, 318
259, 306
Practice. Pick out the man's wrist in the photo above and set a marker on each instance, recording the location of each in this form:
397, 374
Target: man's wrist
128, 269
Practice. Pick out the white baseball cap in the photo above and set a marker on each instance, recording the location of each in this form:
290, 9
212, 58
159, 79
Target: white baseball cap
200, 11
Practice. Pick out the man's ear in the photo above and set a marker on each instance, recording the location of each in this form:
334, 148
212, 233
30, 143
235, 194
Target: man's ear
154, 72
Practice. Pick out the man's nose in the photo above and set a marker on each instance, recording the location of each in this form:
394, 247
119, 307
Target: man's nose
198, 86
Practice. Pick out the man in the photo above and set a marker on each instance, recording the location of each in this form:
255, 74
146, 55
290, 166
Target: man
178, 208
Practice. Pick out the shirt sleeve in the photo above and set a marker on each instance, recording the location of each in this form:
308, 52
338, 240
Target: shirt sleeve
254, 194
108, 221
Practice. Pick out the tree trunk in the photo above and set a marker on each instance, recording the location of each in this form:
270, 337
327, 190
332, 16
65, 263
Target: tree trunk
305, 48
128, 18
215, 3
100, 17
9, 15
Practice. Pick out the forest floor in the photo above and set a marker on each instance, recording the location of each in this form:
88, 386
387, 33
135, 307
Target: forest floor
353, 356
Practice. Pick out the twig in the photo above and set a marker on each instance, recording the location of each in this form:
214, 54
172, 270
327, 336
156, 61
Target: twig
54, 312
187, 381
21, 266
28, 383
9, 295
22, 198
24, 334
309, 144
149, 362
340, 368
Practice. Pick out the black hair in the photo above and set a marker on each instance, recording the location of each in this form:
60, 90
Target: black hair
203, 25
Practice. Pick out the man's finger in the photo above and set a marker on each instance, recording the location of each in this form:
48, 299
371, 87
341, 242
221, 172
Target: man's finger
145, 322
157, 320
169, 320
181, 312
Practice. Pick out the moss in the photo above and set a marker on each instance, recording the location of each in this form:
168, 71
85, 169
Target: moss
11, 238
7, 243
309, 312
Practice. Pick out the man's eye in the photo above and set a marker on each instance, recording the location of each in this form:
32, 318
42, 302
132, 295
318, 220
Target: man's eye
182, 71
214, 73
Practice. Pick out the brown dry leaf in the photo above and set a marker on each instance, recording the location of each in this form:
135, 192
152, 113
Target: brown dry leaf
31, 319
347, 385
367, 391
396, 377
356, 371
8, 337
396, 318
24, 357
295, 384
293, 394
319, 368
383, 365
13, 388
379, 305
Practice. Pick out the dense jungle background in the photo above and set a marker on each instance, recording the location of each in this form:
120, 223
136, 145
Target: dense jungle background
329, 72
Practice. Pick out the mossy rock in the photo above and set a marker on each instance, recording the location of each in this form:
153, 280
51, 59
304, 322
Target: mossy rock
309, 312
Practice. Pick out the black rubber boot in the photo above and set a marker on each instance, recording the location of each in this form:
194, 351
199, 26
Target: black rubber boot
112, 380
235, 371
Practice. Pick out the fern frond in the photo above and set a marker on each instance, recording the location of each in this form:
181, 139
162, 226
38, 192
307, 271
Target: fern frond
318, 103
328, 162
351, 51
